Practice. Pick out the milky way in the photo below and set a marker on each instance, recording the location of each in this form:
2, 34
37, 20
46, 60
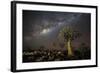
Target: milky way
42, 27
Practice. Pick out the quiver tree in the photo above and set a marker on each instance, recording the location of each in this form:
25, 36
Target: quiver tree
54, 45
68, 35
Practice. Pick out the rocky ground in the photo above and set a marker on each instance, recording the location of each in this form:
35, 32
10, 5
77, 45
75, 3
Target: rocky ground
54, 55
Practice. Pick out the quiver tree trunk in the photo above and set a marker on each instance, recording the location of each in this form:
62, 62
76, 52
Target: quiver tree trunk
69, 48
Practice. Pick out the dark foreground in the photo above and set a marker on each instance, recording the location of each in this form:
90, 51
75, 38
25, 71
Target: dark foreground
42, 55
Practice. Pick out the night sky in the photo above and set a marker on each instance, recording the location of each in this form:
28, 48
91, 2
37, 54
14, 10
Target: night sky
41, 28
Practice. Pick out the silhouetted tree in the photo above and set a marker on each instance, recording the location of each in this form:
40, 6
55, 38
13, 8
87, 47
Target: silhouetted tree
42, 47
61, 45
54, 45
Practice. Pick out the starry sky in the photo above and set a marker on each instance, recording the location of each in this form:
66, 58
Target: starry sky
41, 28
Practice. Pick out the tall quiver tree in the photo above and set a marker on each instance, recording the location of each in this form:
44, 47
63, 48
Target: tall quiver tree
68, 35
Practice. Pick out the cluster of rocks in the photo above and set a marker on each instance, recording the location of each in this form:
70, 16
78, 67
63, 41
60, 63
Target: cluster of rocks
50, 55
44, 55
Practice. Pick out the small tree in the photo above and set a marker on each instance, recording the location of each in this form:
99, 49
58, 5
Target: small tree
61, 45
68, 35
